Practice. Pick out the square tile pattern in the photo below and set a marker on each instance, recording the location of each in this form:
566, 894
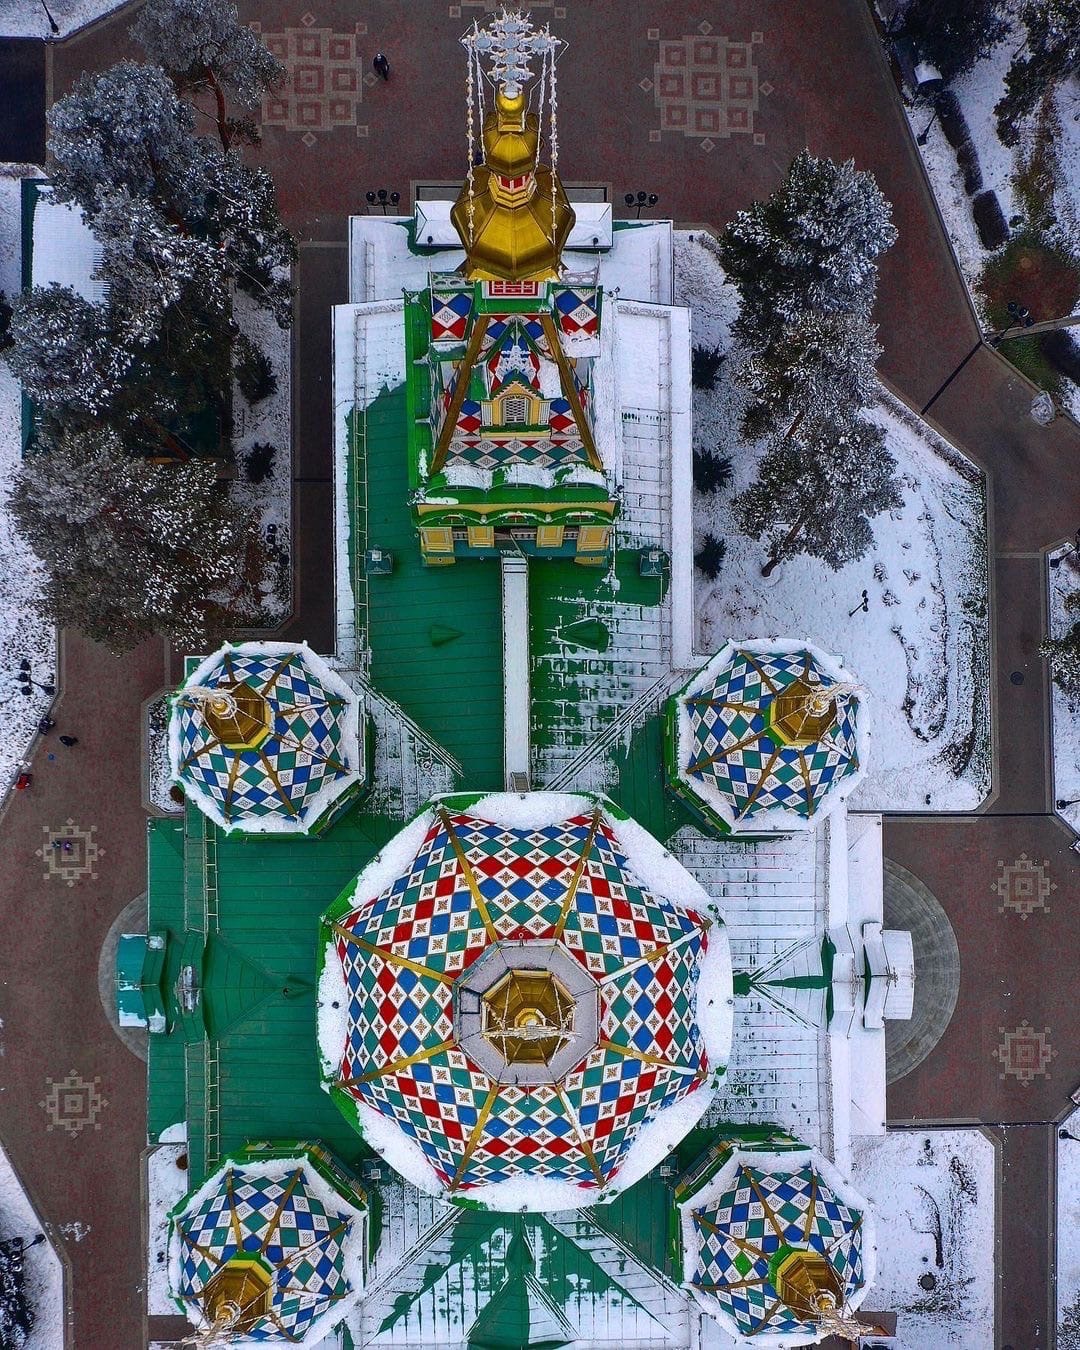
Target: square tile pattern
73, 1104
70, 852
707, 86
323, 86
1024, 886
1024, 1053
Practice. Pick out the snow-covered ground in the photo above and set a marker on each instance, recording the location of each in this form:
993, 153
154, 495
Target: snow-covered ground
934, 1198
43, 1278
1068, 1237
1065, 709
27, 18
22, 634
977, 92
167, 1184
921, 648
268, 422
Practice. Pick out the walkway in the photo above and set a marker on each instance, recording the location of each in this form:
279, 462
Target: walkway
801, 75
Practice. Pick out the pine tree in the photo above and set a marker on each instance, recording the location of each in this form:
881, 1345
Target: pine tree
204, 47
134, 548
125, 128
954, 34
66, 352
816, 365
1049, 56
1063, 654
816, 492
810, 247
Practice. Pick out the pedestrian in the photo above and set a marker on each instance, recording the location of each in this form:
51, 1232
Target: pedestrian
68, 846
45, 725
381, 66
68, 740
23, 781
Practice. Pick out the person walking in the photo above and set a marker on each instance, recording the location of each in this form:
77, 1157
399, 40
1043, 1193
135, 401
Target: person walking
68, 740
23, 781
45, 725
381, 66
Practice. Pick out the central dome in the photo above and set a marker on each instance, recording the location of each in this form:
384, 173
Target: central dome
522, 990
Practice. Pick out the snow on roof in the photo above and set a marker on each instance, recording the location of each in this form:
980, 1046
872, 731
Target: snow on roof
64, 250
756, 1204
754, 747
275, 1206
544, 871
296, 754
383, 261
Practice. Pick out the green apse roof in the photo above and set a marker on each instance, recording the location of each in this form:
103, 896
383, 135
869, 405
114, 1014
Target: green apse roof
520, 1314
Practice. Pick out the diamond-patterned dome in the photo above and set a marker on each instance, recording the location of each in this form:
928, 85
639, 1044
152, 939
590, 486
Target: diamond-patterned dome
767, 735
264, 737
614, 957
770, 1238
267, 1246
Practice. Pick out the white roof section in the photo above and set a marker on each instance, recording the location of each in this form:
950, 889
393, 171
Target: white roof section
639, 265
780, 898
515, 629
591, 230
64, 250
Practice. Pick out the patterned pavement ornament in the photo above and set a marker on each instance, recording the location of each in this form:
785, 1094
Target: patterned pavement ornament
1025, 1053
265, 737
323, 85
707, 86
520, 1002
770, 734
775, 1245
69, 852
1024, 886
268, 1247
73, 1103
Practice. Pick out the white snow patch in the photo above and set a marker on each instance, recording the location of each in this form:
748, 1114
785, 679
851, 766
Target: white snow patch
921, 648
1064, 580
1068, 1237
333, 1005
166, 1184
934, 1195
43, 1279
22, 631
26, 18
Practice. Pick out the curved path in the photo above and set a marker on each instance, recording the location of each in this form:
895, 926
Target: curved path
795, 75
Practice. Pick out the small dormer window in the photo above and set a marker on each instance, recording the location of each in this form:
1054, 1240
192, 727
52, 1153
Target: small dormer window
515, 410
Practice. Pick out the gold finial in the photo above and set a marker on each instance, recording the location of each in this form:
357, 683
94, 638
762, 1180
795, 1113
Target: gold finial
513, 215
237, 715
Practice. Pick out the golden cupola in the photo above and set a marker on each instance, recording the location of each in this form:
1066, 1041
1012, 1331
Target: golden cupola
512, 215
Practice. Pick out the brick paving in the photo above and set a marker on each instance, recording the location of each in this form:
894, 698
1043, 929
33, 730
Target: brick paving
812, 75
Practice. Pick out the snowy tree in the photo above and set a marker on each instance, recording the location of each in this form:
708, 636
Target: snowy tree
205, 48
65, 351
1048, 57
816, 365
243, 218
125, 128
954, 34
810, 247
148, 266
817, 492
1063, 654
132, 547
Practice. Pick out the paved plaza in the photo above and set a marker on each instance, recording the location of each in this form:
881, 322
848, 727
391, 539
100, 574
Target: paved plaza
704, 104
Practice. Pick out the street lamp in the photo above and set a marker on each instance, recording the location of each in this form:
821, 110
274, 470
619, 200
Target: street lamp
1019, 315
1061, 803
27, 685
53, 25
640, 200
924, 135
1072, 548
383, 198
